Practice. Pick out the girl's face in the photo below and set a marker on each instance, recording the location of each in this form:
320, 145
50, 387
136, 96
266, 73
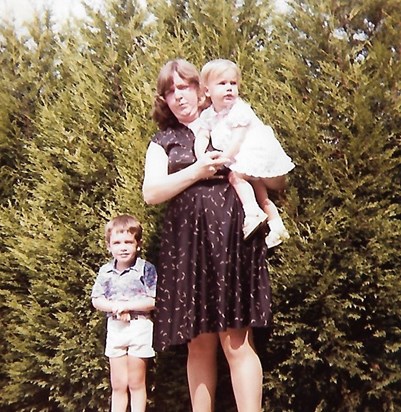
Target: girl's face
222, 89
182, 99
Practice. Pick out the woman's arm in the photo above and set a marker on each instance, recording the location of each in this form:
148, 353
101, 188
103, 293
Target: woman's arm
159, 186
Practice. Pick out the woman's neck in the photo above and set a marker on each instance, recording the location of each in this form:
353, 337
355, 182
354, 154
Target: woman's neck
190, 120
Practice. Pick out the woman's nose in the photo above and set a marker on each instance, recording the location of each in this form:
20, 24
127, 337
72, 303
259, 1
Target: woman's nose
177, 93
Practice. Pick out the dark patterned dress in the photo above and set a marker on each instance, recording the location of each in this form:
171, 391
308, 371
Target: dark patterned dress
209, 279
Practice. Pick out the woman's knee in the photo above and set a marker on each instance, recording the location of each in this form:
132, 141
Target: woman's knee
237, 343
204, 344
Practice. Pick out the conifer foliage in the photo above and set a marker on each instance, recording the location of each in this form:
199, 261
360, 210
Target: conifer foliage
74, 128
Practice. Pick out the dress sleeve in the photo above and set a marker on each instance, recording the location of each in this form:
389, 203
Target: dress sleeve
241, 115
158, 138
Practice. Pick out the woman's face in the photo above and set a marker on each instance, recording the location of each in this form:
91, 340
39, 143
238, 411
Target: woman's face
182, 99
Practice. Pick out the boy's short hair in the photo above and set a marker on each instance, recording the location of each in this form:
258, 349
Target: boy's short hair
123, 223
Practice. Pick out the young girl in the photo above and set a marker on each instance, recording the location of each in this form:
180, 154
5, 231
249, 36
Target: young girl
255, 153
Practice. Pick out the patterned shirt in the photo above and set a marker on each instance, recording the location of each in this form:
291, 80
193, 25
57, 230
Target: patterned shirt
137, 281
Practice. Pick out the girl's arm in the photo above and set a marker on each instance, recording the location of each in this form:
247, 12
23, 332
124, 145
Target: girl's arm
159, 186
237, 136
201, 142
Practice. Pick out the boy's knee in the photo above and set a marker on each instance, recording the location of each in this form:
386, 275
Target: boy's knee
137, 386
119, 386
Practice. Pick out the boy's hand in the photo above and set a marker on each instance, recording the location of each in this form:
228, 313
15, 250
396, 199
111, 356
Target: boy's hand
124, 316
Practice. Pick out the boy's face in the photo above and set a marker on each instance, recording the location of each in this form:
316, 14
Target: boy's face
223, 89
123, 246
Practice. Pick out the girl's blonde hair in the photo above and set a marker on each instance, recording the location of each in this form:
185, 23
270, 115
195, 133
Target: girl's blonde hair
217, 67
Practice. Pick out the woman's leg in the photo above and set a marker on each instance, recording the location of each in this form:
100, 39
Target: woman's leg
202, 371
137, 383
119, 383
245, 368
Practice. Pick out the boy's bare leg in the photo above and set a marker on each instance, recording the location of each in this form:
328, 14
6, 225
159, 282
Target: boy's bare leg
137, 383
119, 383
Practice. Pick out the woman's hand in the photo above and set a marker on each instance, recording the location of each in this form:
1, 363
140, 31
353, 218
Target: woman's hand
159, 186
209, 163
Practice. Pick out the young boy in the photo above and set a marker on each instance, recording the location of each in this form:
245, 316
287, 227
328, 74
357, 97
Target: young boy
125, 289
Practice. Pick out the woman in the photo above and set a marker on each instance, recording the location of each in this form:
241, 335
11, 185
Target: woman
212, 285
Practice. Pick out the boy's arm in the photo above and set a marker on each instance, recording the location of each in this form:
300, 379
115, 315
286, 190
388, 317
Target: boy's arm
201, 142
238, 136
105, 305
142, 304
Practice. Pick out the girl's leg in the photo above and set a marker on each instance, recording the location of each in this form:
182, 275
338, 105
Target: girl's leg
278, 232
254, 215
245, 193
137, 383
263, 199
202, 371
119, 383
245, 368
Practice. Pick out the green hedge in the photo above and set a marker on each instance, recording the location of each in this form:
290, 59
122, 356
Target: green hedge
74, 127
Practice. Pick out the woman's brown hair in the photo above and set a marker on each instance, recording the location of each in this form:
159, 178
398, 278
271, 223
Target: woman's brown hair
161, 113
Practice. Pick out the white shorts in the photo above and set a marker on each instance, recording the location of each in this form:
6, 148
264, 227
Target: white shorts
129, 338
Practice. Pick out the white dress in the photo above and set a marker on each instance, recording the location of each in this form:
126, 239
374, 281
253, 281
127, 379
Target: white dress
260, 154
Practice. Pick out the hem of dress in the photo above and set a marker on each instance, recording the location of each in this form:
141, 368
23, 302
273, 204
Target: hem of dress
185, 341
